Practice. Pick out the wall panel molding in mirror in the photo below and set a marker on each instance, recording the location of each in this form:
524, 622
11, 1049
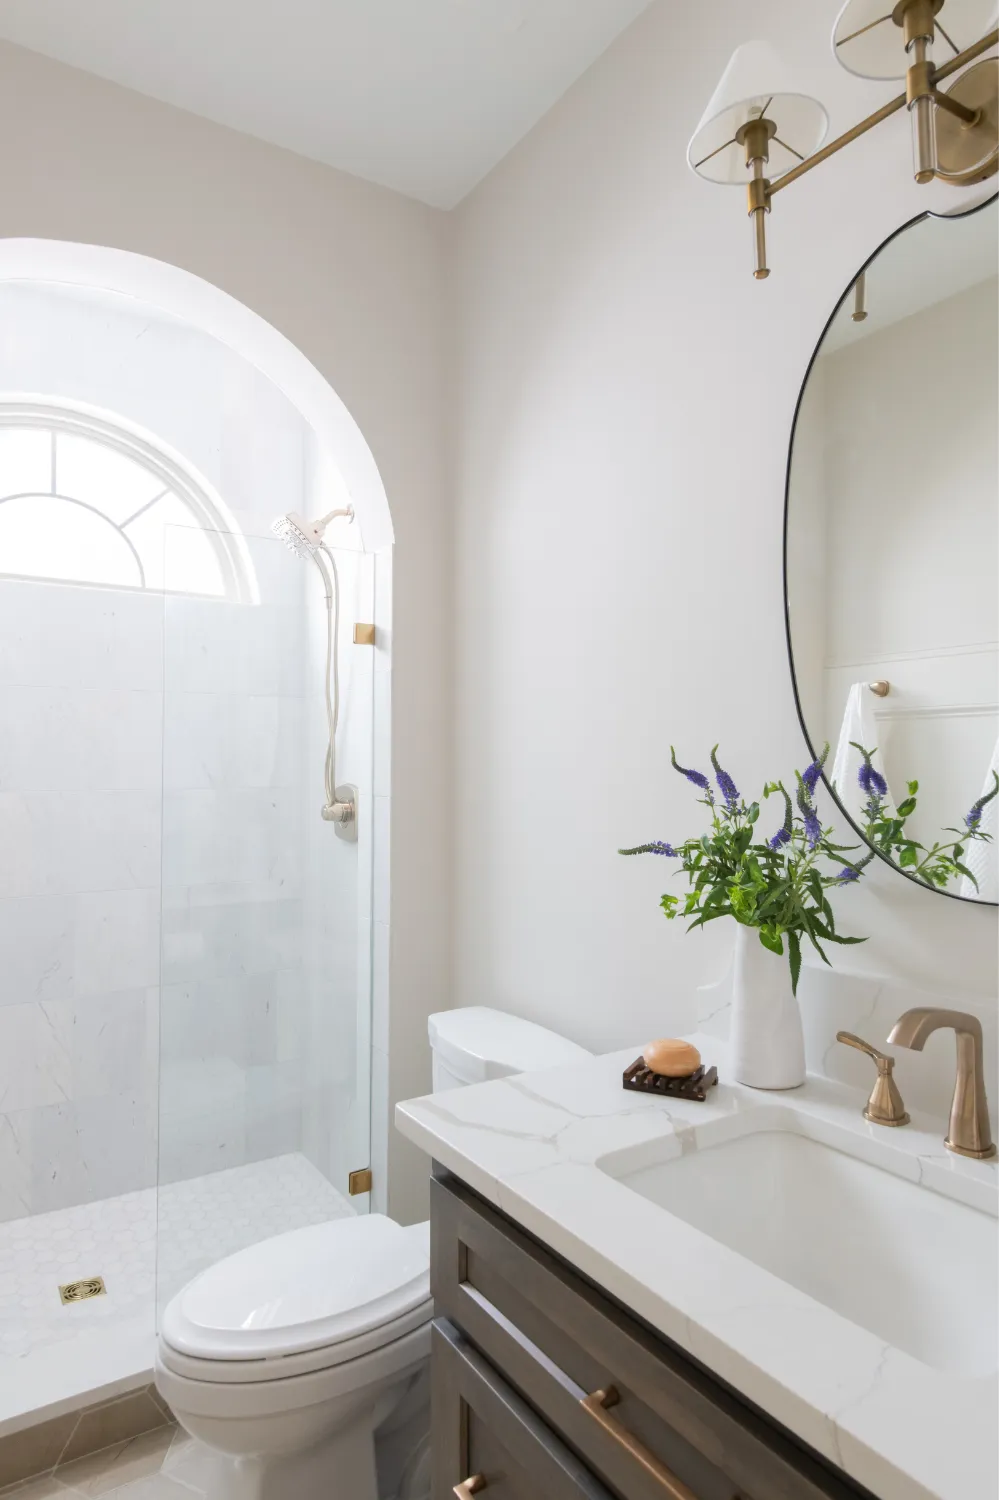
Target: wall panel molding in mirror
891, 552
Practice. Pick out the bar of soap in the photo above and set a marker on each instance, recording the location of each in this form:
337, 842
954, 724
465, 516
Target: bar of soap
671, 1057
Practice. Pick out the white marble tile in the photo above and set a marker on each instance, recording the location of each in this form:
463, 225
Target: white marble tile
227, 740
79, 739
214, 837
69, 947
15, 1173
215, 932
37, 941
382, 857
52, 843
216, 647
382, 729
380, 1127
35, 1059
380, 939
85, 1149
116, 940
55, 636
108, 1038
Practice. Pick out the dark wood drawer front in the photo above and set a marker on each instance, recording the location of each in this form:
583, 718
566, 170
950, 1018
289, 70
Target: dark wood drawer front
558, 1341
483, 1428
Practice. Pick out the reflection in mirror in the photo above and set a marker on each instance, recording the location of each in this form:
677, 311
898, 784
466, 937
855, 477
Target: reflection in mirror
892, 547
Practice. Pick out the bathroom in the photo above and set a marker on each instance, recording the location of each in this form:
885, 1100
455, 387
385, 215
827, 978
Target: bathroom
454, 271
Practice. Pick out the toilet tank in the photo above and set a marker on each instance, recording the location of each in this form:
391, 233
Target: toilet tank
475, 1043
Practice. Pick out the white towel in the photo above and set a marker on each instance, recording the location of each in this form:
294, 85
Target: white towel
981, 856
858, 726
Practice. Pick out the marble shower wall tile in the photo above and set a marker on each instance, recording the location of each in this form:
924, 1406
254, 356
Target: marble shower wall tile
106, 698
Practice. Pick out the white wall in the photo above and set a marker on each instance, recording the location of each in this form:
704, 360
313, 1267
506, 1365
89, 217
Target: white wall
351, 274
626, 391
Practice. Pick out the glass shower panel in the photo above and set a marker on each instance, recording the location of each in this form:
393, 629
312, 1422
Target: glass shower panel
265, 1008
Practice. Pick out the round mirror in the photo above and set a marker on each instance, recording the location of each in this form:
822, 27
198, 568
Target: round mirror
891, 553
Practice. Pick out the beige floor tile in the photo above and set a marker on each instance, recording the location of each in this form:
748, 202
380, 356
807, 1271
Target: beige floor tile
106, 1472
193, 1464
45, 1488
154, 1487
115, 1422
34, 1450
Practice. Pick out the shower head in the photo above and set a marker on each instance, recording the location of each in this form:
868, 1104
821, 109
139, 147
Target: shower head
305, 537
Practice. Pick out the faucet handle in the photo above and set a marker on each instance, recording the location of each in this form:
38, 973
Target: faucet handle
885, 1106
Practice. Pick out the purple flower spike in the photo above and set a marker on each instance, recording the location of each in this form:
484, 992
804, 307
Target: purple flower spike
696, 777
814, 771
726, 785
656, 847
848, 873
974, 817
810, 818
871, 781
783, 834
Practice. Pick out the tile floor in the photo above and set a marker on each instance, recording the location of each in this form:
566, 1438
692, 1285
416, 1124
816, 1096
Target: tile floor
199, 1221
161, 1465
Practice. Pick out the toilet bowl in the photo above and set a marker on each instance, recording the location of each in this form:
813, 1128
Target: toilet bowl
302, 1361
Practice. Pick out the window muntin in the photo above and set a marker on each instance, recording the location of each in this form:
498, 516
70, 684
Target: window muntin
84, 501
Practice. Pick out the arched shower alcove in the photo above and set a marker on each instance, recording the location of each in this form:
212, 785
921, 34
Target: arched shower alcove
161, 774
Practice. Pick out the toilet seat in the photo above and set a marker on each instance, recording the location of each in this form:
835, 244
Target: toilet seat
231, 1372
306, 1300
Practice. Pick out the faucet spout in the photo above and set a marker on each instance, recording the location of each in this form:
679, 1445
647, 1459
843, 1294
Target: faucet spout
969, 1132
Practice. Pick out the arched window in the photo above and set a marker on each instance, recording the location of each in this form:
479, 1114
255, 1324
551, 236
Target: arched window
84, 500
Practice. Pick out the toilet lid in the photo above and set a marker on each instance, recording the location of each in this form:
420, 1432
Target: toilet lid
307, 1289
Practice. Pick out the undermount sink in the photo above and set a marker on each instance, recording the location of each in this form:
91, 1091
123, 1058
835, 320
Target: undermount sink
914, 1268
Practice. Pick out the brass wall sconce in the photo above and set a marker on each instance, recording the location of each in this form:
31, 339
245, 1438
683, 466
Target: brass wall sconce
759, 129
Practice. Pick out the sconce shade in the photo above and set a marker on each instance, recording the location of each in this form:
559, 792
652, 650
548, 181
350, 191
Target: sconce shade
866, 41
755, 82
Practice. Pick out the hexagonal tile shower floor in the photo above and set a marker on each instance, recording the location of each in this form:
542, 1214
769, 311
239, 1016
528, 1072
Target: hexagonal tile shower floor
51, 1351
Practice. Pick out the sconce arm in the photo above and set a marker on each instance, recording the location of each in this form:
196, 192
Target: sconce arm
887, 110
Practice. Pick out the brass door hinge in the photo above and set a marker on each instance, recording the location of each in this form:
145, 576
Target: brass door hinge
364, 635
359, 1182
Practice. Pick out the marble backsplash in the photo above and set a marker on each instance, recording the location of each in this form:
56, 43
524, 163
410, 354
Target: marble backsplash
832, 1001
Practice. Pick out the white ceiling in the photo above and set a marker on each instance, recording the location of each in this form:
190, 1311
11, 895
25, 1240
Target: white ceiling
424, 96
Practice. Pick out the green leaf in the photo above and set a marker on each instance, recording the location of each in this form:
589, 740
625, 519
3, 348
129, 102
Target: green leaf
913, 788
907, 808
908, 857
794, 954
770, 937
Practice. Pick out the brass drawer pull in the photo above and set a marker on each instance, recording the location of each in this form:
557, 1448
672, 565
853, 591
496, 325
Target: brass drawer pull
469, 1487
597, 1405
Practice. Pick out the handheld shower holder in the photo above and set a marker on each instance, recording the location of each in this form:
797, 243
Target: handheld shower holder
342, 813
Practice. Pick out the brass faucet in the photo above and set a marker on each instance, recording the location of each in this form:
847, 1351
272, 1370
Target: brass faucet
968, 1132
885, 1106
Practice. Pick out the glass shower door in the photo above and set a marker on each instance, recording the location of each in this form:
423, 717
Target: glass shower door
265, 1005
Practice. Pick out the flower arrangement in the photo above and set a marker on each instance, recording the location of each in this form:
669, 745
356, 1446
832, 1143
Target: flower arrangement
885, 830
777, 884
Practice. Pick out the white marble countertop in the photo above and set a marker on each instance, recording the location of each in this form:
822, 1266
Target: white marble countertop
541, 1148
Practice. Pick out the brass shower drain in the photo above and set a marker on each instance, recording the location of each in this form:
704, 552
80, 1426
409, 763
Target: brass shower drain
80, 1291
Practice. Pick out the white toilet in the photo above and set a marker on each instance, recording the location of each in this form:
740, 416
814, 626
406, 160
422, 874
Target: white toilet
297, 1359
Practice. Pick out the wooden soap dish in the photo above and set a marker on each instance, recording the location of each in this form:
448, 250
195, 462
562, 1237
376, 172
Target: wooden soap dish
642, 1080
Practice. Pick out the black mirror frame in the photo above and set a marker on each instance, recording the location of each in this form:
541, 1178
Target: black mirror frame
812, 750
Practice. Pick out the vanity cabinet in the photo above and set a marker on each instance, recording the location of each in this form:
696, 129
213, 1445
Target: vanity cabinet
549, 1390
